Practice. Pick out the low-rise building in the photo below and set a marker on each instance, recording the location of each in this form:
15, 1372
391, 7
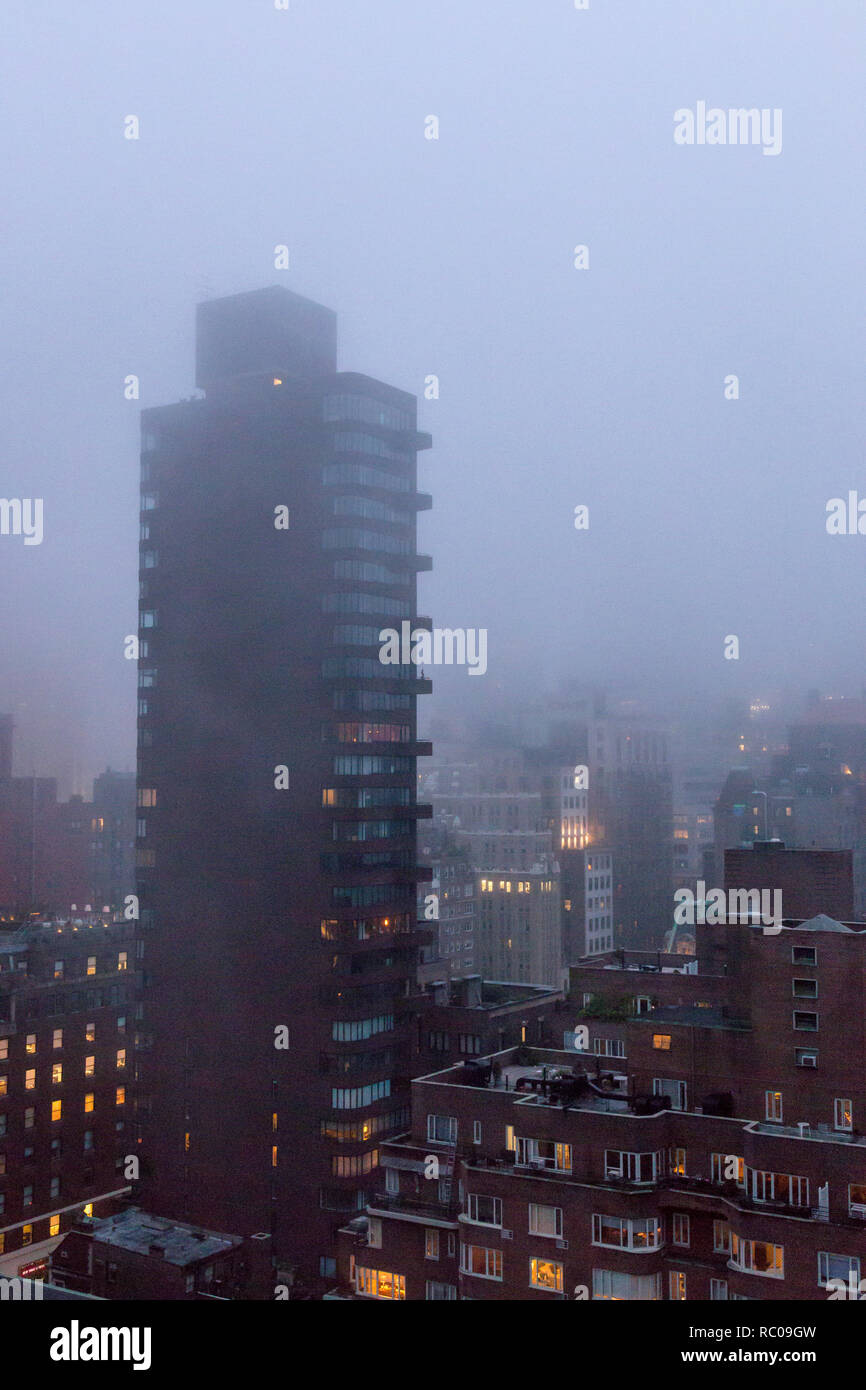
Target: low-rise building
135, 1255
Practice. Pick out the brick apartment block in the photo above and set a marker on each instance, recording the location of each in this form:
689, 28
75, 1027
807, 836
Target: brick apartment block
704, 1143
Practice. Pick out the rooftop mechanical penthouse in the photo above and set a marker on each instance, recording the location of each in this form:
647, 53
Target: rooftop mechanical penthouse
277, 869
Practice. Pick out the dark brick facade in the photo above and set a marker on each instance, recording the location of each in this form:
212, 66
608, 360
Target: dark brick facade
744, 1177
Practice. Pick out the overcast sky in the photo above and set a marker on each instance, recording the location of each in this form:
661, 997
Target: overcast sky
603, 387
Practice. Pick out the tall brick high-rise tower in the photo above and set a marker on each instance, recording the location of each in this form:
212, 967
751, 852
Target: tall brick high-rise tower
276, 779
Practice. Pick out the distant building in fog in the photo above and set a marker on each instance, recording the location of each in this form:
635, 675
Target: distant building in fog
498, 816
57, 857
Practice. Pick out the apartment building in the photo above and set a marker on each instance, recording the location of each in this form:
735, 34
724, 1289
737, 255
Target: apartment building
702, 1138
67, 1043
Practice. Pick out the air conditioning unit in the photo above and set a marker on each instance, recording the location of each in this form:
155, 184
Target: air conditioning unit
507, 1235
809, 1060
562, 1245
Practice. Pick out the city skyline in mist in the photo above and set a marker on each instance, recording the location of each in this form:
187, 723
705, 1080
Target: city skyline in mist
454, 257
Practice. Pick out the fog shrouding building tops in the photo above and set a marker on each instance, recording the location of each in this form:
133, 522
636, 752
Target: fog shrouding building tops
276, 779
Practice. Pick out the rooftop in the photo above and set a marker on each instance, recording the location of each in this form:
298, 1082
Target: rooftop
498, 992
825, 923
178, 1244
698, 1015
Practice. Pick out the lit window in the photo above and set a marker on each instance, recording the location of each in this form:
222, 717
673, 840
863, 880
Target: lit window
30, 1045
620, 1233
773, 1105
91, 965
90, 1033
54, 1226
57, 1038
856, 1199
121, 960
274, 1152
58, 970
758, 1257
57, 1073
26, 1235
843, 1114
120, 1096
89, 1066
88, 1209
662, 1042
30, 1080
380, 1283
728, 1168
545, 1274
56, 1109
88, 1102
121, 1057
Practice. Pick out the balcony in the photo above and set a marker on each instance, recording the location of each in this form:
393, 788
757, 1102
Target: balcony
412, 1209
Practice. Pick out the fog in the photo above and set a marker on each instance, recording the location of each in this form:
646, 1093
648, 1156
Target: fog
454, 257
